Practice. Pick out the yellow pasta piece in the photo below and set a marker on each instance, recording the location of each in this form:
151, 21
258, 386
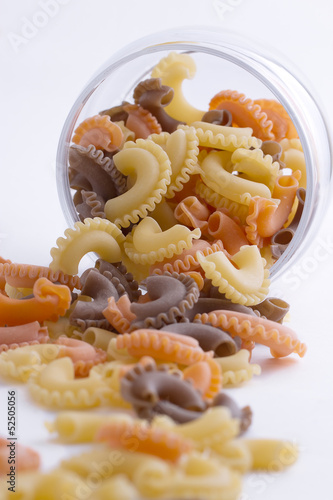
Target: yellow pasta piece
227, 138
237, 368
234, 454
271, 454
111, 375
149, 170
293, 157
266, 254
196, 476
173, 70
164, 215
182, 148
226, 184
22, 362
81, 427
246, 284
128, 134
214, 426
148, 244
98, 337
55, 485
60, 327
92, 235
55, 386
255, 166
116, 488
216, 200
17, 293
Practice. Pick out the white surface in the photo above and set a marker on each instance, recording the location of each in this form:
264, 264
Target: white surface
39, 82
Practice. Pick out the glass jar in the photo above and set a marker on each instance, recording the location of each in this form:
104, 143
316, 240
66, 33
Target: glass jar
223, 62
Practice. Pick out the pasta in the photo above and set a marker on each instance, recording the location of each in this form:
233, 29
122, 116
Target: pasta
92, 235
149, 167
247, 284
149, 244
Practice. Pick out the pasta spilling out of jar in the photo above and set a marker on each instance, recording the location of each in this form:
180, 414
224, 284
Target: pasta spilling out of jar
187, 211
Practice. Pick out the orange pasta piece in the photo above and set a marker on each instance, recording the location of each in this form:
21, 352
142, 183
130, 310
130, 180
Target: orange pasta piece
281, 340
245, 113
138, 437
49, 302
99, 131
141, 121
26, 459
192, 213
205, 376
224, 228
21, 335
119, 314
162, 345
25, 275
83, 355
283, 126
265, 216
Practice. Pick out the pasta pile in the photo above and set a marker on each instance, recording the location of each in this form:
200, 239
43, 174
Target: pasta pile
187, 210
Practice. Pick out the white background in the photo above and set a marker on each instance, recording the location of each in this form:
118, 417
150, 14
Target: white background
41, 77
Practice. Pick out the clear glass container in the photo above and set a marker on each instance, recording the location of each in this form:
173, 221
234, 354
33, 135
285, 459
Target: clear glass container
223, 62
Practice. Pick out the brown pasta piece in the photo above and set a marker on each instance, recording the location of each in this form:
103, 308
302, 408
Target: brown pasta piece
273, 309
274, 149
171, 295
243, 414
206, 304
153, 96
120, 278
281, 239
151, 390
91, 170
100, 288
218, 117
209, 338
117, 113
89, 204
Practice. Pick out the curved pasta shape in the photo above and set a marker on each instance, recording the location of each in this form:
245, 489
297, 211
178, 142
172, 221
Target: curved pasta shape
168, 298
273, 309
173, 70
283, 126
224, 228
193, 213
187, 261
163, 214
22, 362
99, 131
89, 204
83, 355
98, 337
247, 284
56, 387
245, 112
182, 149
92, 235
225, 138
256, 166
25, 275
281, 340
163, 345
25, 334
218, 201
293, 157
237, 368
153, 96
266, 217
119, 313
141, 121
138, 437
218, 117
149, 168
49, 302
148, 244
226, 184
